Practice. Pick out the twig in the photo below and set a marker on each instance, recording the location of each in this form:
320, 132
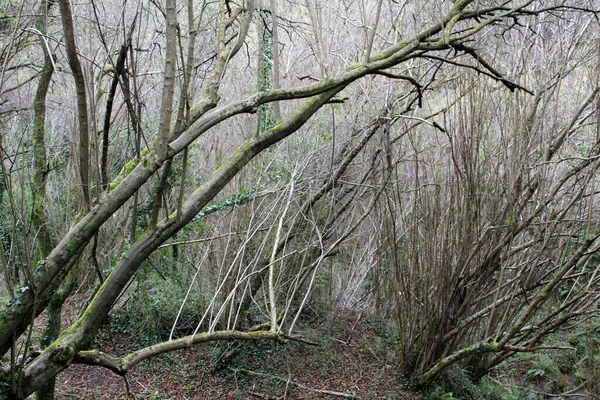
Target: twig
525, 349
301, 340
341, 341
569, 393
301, 386
356, 323
261, 395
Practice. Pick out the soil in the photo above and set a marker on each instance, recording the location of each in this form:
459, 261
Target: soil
353, 359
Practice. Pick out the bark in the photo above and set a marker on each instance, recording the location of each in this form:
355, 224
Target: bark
477, 348
52, 331
276, 68
122, 365
184, 102
260, 79
166, 107
40, 164
371, 36
160, 192
314, 13
166, 118
82, 118
119, 70
40, 171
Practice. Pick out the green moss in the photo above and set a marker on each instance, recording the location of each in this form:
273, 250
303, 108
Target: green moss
72, 246
456, 383
235, 157
383, 55
65, 355
5, 378
238, 199
127, 168
88, 315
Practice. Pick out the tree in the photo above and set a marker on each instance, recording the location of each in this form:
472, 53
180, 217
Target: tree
402, 66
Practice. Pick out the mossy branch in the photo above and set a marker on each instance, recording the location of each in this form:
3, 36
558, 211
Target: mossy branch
122, 365
477, 348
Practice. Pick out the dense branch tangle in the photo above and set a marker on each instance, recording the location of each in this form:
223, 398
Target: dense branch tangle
450, 30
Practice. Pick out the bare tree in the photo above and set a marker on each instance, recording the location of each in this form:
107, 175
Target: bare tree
453, 201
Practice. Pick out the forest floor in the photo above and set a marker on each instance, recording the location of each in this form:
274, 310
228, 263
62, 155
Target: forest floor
353, 359
342, 355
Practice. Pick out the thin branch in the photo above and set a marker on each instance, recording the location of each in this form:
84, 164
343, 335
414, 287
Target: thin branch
298, 384
122, 365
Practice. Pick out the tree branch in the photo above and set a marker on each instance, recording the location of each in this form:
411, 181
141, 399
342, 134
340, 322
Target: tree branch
122, 365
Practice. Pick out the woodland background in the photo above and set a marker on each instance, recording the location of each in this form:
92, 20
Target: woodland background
197, 171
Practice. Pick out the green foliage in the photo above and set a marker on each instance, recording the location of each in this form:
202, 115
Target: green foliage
151, 307
577, 340
143, 212
490, 389
456, 383
236, 200
4, 238
542, 365
534, 373
383, 328
587, 342
248, 353
13, 240
439, 394
565, 361
265, 68
553, 370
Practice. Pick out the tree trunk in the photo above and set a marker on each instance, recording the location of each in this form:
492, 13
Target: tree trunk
39, 222
166, 107
82, 118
